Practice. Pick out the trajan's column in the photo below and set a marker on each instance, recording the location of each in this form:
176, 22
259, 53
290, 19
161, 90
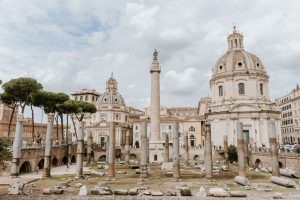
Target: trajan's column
155, 140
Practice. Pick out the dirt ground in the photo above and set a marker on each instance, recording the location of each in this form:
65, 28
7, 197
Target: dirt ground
158, 181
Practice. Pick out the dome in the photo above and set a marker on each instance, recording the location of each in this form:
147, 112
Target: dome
111, 96
236, 59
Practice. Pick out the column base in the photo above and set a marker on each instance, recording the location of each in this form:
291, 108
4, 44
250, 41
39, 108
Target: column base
46, 173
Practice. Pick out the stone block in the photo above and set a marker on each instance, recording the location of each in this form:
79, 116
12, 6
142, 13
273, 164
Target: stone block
133, 191
120, 192
185, 191
47, 191
157, 193
83, 191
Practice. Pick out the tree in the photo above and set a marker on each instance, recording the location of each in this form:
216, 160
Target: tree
11, 102
5, 154
60, 111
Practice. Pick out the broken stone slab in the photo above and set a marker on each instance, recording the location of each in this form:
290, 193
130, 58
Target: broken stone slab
147, 193
265, 188
57, 190
170, 192
47, 191
185, 191
278, 196
100, 167
224, 167
283, 181
242, 180
157, 193
83, 191
15, 188
168, 166
237, 194
201, 193
218, 192
120, 192
121, 172
78, 185
101, 191
288, 172
133, 191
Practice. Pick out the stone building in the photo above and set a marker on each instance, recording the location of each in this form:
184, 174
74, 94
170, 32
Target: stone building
290, 116
240, 93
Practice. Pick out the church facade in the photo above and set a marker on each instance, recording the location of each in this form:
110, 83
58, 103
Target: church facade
240, 93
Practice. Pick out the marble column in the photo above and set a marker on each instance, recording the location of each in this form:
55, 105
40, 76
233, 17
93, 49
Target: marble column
69, 140
79, 156
107, 148
186, 149
112, 151
48, 145
89, 147
166, 148
17, 145
246, 149
148, 149
273, 148
176, 164
226, 150
240, 149
127, 149
208, 153
144, 162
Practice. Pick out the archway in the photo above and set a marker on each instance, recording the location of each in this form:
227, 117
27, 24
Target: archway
41, 164
54, 162
281, 165
137, 144
102, 158
64, 160
25, 167
73, 159
196, 157
257, 163
132, 157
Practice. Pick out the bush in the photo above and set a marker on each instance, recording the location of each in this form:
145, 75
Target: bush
5, 154
232, 153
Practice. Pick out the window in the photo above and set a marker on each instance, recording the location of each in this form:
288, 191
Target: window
261, 89
86, 98
81, 98
241, 88
220, 91
170, 127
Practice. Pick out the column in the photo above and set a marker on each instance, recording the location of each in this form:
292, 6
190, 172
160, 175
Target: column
240, 149
176, 165
208, 152
144, 146
17, 145
166, 148
226, 150
246, 149
273, 148
111, 151
148, 149
107, 148
127, 150
47, 157
89, 147
79, 156
69, 139
186, 149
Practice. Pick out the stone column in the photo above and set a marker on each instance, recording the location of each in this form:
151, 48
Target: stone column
208, 153
148, 149
127, 149
107, 148
79, 156
246, 149
273, 148
69, 139
89, 147
176, 164
111, 151
226, 150
144, 146
155, 99
186, 149
240, 149
48, 143
17, 145
166, 148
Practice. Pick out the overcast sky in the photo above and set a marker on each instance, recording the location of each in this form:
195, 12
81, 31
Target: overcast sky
68, 45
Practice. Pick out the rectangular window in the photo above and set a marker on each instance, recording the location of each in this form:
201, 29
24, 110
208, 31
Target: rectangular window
261, 88
220, 91
241, 88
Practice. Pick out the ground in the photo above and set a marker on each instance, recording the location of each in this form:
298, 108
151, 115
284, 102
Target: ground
158, 181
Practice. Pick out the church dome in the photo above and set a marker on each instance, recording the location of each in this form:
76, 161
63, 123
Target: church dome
236, 59
111, 96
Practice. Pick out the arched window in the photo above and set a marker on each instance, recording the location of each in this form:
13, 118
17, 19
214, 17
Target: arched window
220, 91
241, 88
261, 89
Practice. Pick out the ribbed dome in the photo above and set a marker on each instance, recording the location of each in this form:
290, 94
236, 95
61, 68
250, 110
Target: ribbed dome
111, 96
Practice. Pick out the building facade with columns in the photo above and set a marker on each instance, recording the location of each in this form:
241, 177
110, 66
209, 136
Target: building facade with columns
240, 93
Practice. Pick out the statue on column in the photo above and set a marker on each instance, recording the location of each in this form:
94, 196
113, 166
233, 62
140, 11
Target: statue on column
155, 54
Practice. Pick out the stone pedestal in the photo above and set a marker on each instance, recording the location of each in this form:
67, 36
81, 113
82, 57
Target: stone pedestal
48, 145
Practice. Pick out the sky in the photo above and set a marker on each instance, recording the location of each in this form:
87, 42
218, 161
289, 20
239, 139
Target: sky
68, 45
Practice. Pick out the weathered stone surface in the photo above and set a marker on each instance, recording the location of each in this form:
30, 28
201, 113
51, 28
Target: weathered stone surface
121, 172
201, 193
278, 196
170, 192
265, 188
83, 191
147, 193
167, 166
185, 191
137, 171
47, 191
121, 192
78, 185
157, 193
283, 181
101, 191
133, 191
224, 167
15, 188
64, 184
218, 192
57, 190
237, 194
242, 180
100, 167
87, 173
